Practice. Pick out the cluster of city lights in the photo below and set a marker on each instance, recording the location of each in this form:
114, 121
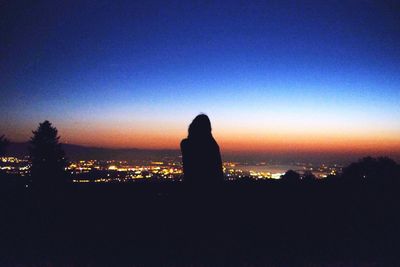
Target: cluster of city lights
108, 171
13, 165
122, 171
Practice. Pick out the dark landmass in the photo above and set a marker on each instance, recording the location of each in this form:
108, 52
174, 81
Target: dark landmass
243, 223
77, 152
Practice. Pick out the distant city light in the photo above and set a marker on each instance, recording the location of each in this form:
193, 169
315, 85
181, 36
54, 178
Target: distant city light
111, 171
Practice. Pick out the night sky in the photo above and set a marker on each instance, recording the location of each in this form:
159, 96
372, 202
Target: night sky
273, 76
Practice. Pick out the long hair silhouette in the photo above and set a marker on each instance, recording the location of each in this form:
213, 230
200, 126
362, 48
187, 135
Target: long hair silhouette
200, 153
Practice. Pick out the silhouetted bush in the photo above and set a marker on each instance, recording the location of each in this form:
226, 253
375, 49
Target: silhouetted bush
381, 169
46, 156
291, 176
308, 176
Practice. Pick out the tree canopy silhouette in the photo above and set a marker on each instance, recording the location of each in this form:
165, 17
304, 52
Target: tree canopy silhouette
372, 169
3, 145
46, 155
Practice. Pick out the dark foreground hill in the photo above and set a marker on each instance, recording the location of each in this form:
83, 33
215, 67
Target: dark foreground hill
171, 224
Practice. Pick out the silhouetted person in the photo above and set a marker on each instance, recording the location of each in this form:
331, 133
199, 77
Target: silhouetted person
200, 153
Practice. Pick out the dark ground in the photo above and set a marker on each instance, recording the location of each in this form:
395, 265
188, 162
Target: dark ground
170, 224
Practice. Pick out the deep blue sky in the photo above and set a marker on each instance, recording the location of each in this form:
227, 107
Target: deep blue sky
120, 73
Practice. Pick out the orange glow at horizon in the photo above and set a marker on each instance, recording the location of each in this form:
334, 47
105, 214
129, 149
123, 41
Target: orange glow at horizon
240, 141
249, 137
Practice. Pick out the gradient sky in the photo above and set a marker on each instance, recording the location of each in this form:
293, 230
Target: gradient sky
272, 76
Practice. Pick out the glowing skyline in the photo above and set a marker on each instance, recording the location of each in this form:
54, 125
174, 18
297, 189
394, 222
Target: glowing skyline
271, 77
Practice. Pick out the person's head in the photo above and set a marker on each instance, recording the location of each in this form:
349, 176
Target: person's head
200, 127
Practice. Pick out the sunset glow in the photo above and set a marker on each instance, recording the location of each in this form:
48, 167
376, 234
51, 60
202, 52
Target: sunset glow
323, 81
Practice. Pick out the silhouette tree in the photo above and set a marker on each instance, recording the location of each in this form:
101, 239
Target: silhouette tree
3, 145
46, 155
291, 176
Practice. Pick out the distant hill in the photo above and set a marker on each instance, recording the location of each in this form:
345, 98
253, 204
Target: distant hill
76, 152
